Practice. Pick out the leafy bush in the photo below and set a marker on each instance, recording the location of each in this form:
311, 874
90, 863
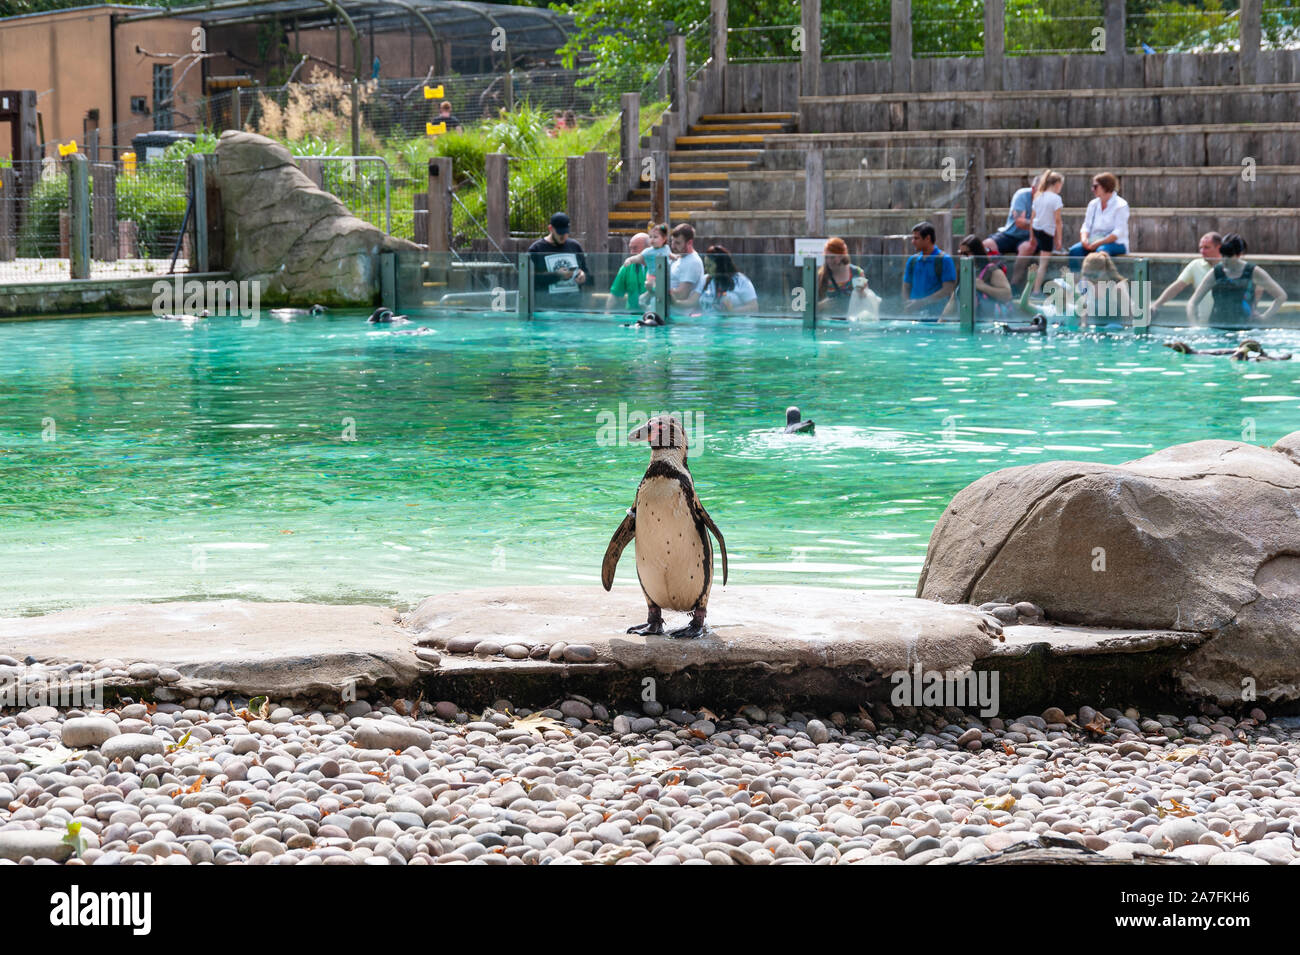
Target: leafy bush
154, 198
39, 236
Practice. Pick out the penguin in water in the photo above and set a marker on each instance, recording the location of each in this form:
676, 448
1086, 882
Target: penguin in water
385, 316
1248, 350
794, 423
674, 556
649, 319
1037, 327
288, 314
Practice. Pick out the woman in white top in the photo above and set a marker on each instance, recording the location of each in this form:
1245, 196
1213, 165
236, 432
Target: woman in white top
1105, 224
1046, 224
723, 289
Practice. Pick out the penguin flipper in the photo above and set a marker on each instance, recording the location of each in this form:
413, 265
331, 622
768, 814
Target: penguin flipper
622, 537
708, 522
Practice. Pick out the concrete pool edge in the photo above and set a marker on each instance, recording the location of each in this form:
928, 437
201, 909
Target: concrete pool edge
806, 644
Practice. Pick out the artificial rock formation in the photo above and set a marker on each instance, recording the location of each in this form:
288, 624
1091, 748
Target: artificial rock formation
1201, 537
299, 242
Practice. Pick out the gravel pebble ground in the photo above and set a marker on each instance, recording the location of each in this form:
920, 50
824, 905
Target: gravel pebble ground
174, 783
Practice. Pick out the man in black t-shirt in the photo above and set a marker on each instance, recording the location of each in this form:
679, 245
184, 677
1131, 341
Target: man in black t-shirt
454, 124
560, 275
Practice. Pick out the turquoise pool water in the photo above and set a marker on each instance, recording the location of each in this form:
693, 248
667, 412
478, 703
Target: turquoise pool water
216, 460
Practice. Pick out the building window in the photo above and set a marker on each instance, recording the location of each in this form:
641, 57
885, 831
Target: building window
162, 97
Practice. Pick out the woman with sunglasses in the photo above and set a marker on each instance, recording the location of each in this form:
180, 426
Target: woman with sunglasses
1105, 224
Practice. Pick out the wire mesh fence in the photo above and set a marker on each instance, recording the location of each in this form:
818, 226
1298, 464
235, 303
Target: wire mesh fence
538, 188
362, 183
320, 108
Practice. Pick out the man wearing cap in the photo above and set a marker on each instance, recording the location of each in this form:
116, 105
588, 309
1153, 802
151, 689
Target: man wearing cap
559, 266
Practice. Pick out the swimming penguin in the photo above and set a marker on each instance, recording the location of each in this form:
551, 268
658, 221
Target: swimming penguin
651, 318
794, 423
1036, 327
1248, 350
287, 314
674, 556
385, 316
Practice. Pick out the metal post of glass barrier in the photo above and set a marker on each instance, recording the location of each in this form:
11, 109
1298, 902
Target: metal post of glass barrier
966, 292
810, 292
524, 299
1140, 296
661, 296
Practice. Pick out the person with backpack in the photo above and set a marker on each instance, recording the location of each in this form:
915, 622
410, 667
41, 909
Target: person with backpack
930, 276
1232, 283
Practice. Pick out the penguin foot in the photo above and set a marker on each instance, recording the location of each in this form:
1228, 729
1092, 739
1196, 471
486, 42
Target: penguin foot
654, 627
692, 630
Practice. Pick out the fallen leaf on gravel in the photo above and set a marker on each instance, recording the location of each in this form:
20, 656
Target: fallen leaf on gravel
1182, 753
198, 784
999, 803
48, 758
535, 723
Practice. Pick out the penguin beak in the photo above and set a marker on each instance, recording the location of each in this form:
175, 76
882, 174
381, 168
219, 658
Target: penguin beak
643, 433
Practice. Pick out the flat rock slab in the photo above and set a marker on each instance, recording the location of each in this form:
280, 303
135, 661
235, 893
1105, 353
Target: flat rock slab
821, 644
230, 646
765, 628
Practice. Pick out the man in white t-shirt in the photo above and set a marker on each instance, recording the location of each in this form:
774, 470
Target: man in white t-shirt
686, 270
1191, 275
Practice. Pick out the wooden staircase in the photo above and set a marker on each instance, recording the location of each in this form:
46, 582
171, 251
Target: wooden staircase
698, 167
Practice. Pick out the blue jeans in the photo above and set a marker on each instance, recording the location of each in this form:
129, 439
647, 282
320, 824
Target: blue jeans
1077, 252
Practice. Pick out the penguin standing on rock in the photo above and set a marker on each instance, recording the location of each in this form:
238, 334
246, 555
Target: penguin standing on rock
674, 556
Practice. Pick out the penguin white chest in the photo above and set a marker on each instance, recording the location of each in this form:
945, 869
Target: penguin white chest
670, 558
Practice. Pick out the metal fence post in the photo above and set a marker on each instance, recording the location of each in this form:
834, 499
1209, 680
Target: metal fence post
810, 66
662, 293
439, 222
677, 56
524, 299
814, 173
995, 43
1140, 297
79, 216
356, 119
1248, 50
388, 280
809, 291
966, 292
497, 173
199, 191
900, 44
236, 116
8, 215
660, 190
596, 215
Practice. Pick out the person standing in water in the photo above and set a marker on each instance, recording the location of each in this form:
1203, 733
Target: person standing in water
1232, 283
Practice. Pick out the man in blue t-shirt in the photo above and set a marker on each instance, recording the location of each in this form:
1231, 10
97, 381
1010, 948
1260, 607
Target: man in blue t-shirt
931, 275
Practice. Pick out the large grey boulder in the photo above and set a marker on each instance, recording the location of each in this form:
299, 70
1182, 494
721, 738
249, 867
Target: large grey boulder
299, 242
1197, 537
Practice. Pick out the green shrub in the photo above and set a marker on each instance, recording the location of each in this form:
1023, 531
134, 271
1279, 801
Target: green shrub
154, 198
39, 235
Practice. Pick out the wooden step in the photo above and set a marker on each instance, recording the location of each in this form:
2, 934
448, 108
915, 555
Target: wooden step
712, 130
726, 155
631, 205
738, 140
748, 117
674, 175
684, 192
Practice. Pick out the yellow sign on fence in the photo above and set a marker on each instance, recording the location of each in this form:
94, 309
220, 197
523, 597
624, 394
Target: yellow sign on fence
433, 92
435, 129
67, 149
128, 163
